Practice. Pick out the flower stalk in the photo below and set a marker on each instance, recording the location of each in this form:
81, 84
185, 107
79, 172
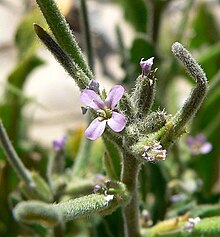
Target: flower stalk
129, 176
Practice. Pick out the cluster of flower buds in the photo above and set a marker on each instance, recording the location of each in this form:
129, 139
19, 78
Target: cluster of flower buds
154, 153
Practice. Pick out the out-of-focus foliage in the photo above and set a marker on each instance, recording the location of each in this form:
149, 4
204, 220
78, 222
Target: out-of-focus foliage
135, 12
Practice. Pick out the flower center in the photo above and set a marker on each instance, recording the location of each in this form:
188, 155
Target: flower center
104, 113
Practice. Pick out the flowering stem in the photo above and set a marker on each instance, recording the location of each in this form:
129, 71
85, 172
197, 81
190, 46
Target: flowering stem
13, 158
129, 176
62, 33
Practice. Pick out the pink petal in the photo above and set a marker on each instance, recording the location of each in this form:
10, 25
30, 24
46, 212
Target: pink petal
117, 122
95, 129
91, 99
206, 148
114, 96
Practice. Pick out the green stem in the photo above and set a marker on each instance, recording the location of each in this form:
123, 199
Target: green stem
13, 158
87, 34
129, 176
63, 34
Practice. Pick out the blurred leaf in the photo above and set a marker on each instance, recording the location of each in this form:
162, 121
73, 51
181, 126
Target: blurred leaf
206, 33
204, 26
210, 59
208, 121
211, 53
135, 13
23, 69
10, 111
110, 226
115, 155
141, 48
95, 159
74, 140
25, 38
158, 186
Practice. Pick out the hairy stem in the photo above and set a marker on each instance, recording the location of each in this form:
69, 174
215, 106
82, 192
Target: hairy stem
193, 102
129, 176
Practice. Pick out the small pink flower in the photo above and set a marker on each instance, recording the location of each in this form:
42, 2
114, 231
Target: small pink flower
105, 111
198, 144
146, 65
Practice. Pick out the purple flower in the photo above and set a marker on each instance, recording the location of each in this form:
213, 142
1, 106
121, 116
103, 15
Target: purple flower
104, 110
198, 144
146, 65
59, 144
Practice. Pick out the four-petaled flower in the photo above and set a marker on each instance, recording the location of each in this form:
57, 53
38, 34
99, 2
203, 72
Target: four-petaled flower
146, 65
104, 110
198, 144
59, 144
